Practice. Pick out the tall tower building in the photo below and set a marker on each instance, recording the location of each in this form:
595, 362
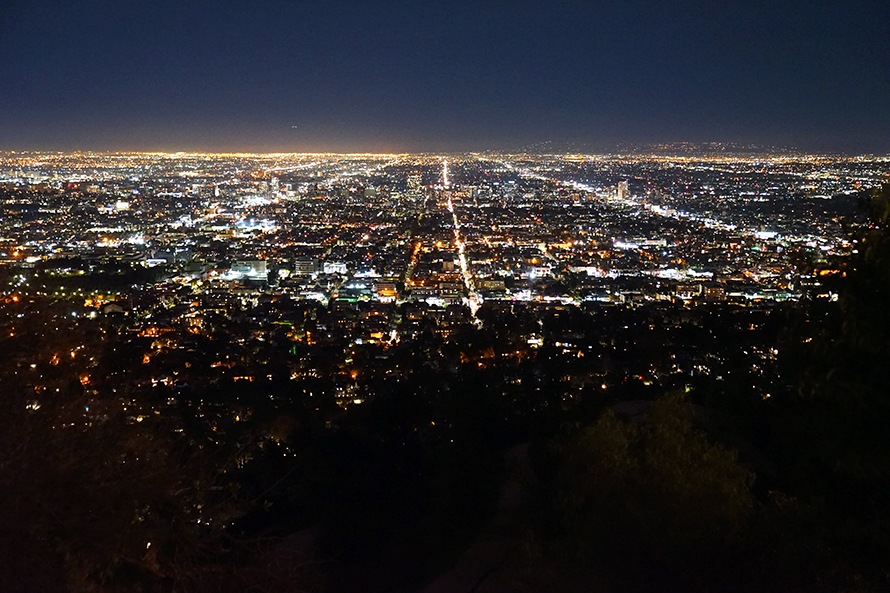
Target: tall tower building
414, 185
622, 190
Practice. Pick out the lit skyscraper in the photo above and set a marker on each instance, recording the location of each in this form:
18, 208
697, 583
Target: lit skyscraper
622, 190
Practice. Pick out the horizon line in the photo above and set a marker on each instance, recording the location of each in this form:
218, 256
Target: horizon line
661, 153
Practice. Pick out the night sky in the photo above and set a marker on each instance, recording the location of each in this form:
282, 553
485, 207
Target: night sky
347, 76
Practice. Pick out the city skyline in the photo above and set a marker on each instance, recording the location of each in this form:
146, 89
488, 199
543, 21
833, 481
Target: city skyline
278, 76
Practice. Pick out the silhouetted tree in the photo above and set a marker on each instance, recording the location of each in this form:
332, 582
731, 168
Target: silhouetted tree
832, 444
648, 506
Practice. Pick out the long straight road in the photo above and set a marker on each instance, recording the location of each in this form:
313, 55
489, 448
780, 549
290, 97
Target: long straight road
474, 299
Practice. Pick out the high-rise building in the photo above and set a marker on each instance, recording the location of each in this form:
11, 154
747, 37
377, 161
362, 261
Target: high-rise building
622, 190
414, 185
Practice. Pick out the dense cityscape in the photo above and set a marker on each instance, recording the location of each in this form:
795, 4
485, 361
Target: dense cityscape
272, 348
395, 229
368, 251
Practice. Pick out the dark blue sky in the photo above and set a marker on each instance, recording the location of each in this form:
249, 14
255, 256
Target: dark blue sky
338, 75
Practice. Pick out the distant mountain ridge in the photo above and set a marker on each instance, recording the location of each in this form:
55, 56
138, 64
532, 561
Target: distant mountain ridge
658, 148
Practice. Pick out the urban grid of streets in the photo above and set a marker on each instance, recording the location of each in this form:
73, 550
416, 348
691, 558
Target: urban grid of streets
339, 262
460, 229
